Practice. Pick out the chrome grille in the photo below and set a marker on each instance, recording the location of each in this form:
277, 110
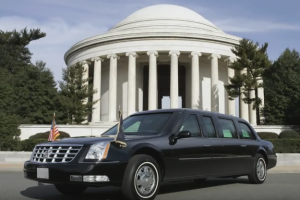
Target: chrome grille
55, 154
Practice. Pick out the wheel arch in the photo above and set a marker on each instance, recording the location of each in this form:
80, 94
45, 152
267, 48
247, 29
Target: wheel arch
152, 151
264, 154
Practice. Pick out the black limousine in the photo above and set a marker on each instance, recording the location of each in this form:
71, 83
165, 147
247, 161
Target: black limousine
160, 146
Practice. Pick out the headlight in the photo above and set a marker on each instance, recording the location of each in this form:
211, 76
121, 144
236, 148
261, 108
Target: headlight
98, 151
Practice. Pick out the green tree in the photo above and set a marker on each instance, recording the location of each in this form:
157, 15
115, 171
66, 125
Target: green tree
252, 59
14, 56
36, 93
282, 90
75, 91
14, 50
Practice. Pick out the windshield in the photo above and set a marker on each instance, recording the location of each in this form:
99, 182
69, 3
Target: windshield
148, 124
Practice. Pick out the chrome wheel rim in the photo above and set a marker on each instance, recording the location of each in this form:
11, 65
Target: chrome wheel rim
145, 180
261, 169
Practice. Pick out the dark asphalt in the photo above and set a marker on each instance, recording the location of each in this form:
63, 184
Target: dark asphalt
277, 186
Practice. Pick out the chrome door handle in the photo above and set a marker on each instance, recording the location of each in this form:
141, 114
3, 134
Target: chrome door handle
243, 145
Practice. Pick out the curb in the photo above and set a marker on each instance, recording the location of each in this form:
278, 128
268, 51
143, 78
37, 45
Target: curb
285, 169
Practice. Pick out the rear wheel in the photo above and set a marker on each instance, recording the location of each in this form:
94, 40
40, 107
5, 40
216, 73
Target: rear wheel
259, 171
142, 178
70, 189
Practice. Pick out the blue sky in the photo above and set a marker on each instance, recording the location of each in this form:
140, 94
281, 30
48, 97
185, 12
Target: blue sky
69, 21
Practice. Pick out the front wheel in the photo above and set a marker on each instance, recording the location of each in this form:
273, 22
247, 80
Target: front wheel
70, 189
142, 178
259, 171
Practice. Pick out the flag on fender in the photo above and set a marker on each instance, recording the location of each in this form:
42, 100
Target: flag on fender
120, 136
53, 130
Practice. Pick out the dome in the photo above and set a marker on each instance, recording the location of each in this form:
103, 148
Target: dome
165, 16
169, 23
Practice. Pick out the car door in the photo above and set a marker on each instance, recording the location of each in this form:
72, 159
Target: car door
192, 155
252, 145
235, 150
210, 131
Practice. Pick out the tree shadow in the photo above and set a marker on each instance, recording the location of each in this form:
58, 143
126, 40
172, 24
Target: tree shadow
48, 192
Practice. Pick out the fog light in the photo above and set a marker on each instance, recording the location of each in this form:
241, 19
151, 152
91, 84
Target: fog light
76, 178
95, 179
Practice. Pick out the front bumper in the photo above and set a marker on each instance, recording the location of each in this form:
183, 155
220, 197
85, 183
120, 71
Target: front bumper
272, 161
60, 173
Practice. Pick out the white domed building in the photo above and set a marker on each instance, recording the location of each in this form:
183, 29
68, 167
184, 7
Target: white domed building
156, 53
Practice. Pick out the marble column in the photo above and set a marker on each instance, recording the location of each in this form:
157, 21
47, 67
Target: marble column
252, 113
195, 80
85, 77
244, 108
261, 93
97, 87
230, 74
131, 91
112, 96
152, 92
214, 82
174, 79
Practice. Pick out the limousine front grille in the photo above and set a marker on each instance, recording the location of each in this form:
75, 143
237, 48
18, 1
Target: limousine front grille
55, 154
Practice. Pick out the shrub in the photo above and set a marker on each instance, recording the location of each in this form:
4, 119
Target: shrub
28, 145
17, 145
45, 135
286, 145
289, 134
10, 145
267, 135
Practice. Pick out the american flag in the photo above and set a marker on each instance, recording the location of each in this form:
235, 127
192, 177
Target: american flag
53, 131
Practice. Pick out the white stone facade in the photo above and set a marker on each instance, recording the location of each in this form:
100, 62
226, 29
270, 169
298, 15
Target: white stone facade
129, 63
99, 128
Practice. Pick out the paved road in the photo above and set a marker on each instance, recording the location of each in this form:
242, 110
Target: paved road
277, 186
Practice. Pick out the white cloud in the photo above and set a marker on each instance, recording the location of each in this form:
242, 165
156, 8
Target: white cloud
251, 25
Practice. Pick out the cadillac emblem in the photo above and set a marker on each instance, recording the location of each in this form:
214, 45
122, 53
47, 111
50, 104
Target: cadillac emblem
47, 153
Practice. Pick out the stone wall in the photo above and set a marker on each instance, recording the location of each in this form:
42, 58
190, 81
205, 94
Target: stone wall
99, 128
274, 128
73, 130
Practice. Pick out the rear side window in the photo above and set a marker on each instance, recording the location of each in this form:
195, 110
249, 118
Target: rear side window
209, 127
228, 128
246, 131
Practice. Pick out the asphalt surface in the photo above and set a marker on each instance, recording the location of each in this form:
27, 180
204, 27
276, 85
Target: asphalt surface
277, 186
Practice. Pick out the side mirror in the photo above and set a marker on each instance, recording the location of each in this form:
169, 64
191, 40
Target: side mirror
183, 134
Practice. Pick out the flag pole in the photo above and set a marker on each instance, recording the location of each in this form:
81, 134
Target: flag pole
120, 138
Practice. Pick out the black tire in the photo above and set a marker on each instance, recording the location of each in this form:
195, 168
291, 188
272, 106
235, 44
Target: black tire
138, 164
70, 189
259, 171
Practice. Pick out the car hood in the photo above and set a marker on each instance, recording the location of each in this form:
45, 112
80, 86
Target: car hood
94, 140
90, 140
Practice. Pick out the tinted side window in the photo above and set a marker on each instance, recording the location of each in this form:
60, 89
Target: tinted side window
228, 128
191, 124
246, 131
209, 127
147, 124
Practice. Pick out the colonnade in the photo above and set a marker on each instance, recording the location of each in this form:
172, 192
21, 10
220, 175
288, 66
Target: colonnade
245, 109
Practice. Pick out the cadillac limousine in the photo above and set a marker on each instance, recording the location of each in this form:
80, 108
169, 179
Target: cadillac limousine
161, 145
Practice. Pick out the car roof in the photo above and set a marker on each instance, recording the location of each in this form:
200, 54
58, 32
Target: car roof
188, 110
